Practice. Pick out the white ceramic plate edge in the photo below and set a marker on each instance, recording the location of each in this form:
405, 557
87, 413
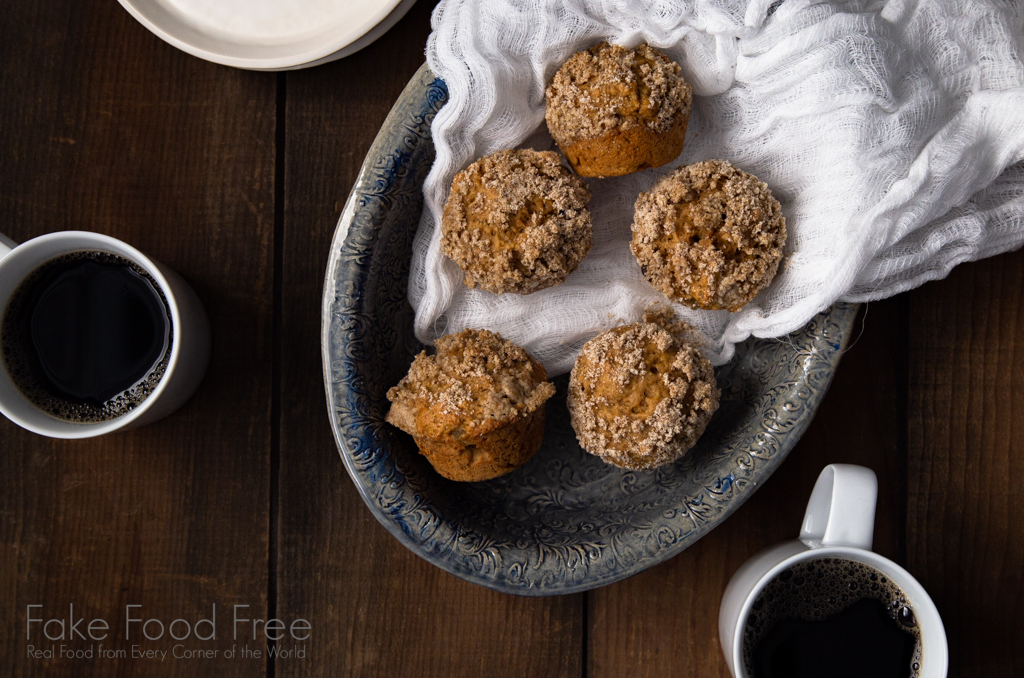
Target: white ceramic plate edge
301, 58
369, 38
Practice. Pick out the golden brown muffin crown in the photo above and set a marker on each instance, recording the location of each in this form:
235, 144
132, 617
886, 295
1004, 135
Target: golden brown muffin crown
475, 408
640, 395
517, 221
614, 110
709, 235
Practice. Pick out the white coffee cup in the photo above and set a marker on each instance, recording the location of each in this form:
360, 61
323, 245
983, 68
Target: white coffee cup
839, 523
190, 346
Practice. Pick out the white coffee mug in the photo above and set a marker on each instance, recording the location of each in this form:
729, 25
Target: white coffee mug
189, 351
839, 523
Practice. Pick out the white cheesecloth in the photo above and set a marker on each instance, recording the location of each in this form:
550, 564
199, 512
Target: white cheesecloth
892, 133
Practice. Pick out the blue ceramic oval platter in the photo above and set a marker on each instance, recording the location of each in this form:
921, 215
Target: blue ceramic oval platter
566, 521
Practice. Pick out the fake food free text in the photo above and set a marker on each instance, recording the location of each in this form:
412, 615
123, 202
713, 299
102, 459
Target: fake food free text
136, 626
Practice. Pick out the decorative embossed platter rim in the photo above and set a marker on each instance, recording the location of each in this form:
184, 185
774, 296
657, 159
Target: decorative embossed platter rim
565, 522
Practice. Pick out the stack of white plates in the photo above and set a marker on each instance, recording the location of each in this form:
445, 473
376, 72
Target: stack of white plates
269, 35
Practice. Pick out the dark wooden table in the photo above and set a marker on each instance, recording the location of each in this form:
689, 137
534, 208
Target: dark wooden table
236, 179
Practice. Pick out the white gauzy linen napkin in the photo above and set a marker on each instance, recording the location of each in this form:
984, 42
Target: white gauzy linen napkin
892, 133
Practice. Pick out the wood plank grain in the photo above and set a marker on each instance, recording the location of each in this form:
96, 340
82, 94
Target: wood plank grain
376, 608
965, 540
103, 127
665, 621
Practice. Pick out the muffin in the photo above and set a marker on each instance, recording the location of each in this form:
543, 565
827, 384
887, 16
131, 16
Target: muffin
709, 235
614, 110
516, 221
641, 395
476, 408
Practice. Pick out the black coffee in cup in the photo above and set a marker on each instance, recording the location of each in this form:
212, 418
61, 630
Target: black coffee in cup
832, 617
87, 336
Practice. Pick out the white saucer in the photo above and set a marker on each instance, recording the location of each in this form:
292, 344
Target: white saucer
268, 35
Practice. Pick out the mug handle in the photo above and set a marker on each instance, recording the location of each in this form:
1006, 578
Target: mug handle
6, 245
841, 511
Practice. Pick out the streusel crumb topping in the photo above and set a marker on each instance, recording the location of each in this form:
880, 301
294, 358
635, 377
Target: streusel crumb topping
475, 382
517, 221
709, 235
640, 395
608, 87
